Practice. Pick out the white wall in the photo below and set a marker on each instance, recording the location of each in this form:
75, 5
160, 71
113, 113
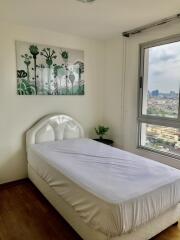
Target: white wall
122, 111
114, 89
18, 113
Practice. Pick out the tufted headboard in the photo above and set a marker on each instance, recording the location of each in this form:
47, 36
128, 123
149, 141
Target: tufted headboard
53, 128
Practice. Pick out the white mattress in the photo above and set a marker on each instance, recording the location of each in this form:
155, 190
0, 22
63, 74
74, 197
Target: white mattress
112, 190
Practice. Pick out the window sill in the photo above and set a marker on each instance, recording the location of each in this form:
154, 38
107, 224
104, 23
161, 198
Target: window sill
161, 153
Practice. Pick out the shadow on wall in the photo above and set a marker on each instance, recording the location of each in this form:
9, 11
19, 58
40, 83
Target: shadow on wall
14, 165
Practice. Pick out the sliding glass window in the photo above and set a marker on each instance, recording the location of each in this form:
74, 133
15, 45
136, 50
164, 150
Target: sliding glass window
159, 105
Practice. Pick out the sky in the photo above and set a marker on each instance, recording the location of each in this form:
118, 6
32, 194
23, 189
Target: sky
164, 67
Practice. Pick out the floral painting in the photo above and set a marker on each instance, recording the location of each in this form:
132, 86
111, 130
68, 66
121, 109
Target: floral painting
47, 70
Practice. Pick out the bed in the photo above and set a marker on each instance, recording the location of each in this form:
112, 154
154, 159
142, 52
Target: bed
104, 193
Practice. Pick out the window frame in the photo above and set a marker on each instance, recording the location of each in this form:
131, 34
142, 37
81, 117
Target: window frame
154, 120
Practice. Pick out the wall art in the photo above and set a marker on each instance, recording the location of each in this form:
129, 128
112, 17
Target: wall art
48, 70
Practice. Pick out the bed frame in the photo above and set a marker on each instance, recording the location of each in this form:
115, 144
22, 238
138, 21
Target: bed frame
57, 127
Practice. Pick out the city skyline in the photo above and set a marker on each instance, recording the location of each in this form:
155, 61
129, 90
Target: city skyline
170, 91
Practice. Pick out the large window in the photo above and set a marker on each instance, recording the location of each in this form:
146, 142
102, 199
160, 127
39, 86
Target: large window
159, 113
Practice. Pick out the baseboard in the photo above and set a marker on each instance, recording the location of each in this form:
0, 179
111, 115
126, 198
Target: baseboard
14, 183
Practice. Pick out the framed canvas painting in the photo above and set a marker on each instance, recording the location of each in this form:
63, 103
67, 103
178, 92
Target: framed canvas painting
49, 70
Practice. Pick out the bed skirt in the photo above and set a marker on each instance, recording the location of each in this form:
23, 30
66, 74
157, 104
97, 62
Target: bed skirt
144, 232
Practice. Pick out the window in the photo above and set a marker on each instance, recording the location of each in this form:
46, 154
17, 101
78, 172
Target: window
159, 113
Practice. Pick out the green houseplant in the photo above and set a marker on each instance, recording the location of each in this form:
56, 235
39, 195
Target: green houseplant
101, 131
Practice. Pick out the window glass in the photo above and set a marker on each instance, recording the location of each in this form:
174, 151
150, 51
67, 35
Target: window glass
161, 80
160, 138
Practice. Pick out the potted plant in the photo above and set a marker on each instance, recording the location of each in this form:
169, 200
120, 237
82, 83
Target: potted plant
101, 131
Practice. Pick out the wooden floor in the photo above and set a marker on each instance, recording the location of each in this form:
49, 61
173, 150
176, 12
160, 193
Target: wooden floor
26, 215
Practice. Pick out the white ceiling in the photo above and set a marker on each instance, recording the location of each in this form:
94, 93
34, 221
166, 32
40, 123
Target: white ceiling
101, 19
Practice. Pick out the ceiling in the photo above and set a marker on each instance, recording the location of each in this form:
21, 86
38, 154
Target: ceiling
101, 19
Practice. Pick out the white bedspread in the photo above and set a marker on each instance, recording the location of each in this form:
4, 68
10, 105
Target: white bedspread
112, 190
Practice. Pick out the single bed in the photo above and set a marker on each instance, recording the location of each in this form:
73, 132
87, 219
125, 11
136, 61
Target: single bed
103, 192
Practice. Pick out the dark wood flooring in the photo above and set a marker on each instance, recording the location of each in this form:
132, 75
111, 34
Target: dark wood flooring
26, 215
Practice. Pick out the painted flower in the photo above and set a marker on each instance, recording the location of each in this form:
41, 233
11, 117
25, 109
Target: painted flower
34, 50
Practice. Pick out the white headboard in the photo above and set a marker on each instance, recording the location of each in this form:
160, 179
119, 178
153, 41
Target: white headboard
53, 128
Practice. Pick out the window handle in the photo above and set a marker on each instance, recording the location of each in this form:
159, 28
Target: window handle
140, 82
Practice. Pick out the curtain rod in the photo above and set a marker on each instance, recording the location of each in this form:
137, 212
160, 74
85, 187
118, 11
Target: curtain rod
150, 25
